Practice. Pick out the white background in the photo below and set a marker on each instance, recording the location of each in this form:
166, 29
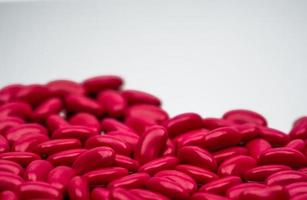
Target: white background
201, 56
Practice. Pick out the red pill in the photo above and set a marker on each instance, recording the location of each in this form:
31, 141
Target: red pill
183, 123
39, 190
10, 166
15, 109
147, 112
257, 146
81, 133
299, 129
197, 156
55, 122
109, 124
85, 119
37, 170
235, 191
262, 172
300, 197
105, 175
229, 152
283, 156
139, 125
113, 102
276, 192
154, 166
237, 166
148, 195
207, 196
128, 136
247, 131
8, 93
64, 87
126, 162
78, 189
60, 176
100, 194
57, 145
9, 181
98, 83
151, 144
193, 138
220, 186
273, 136
29, 143
221, 138
33, 94
295, 189
47, 108
8, 195
123, 194
167, 187
211, 123
119, 145
66, 157
245, 116
136, 180
20, 131
22, 158
78, 103
170, 148
8, 123
140, 97
102, 157
200, 175
297, 144
286, 177
4, 145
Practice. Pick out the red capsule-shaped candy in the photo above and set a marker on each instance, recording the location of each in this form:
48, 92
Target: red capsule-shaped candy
9, 181
295, 189
29, 143
98, 83
229, 152
200, 175
136, 180
211, 123
8, 123
149, 112
33, 94
93, 159
100, 194
275, 192
148, 195
167, 187
151, 144
105, 175
260, 173
220, 186
66, 157
297, 144
78, 189
126, 162
183, 123
255, 147
49, 107
113, 102
119, 145
8, 93
273, 136
193, 138
109, 124
245, 116
39, 190
170, 148
54, 146
140, 97
139, 124
81, 133
4, 145
22, 158
123, 194
8, 195
10, 166
55, 122
284, 156
15, 109
300, 197
128, 136
286, 177
237, 166
64, 87
79, 103
235, 191
154, 166
60, 176
85, 119
221, 138
207, 196
37, 170
299, 129
247, 131
196, 156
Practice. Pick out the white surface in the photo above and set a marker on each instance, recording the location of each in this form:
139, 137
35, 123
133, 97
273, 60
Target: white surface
201, 56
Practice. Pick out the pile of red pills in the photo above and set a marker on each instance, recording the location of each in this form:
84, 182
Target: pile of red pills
95, 140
